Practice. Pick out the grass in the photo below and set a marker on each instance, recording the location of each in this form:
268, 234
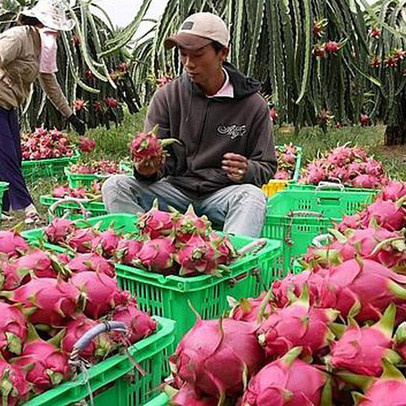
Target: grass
113, 144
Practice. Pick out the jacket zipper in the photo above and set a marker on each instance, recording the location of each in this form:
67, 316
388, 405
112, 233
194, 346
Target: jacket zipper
202, 129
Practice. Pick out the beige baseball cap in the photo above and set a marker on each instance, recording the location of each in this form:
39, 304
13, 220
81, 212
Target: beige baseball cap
199, 30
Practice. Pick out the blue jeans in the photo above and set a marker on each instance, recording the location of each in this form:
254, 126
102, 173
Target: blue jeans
18, 196
240, 209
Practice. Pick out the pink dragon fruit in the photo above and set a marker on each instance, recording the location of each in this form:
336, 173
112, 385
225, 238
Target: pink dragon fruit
63, 258
49, 365
139, 323
288, 381
365, 284
106, 243
10, 276
127, 251
216, 356
12, 244
223, 247
387, 214
101, 292
87, 145
54, 300
389, 390
156, 223
196, 256
81, 240
157, 255
285, 328
373, 168
187, 396
13, 330
61, 191
39, 262
147, 147
365, 181
91, 262
98, 348
14, 388
191, 225
282, 175
393, 191
353, 221
247, 309
315, 173
361, 350
58, 230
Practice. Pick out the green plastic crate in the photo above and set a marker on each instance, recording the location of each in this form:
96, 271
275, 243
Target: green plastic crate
161, 400
3, 188
330, 186
115, 381
170, 296
42, 168
93, 208
76, 180
295, 217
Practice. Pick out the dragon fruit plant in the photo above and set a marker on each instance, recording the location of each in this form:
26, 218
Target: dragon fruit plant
45, 144
286, 157
349, 166
149, 149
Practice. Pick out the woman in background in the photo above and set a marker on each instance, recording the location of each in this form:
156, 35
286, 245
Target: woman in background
28, 52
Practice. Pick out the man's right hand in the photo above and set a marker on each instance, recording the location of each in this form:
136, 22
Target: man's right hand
148, 167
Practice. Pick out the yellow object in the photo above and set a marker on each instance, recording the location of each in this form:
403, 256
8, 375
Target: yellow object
274, 186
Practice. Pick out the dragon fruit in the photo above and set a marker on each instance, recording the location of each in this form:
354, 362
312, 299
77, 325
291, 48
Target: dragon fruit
187, 396
81, 240
361, 350
288, 381
196, 256
387, 214
223, 247
285, 328
352, 221
282, 175
49, 365
12, 244
101, 292
98, 348
157, 255
365, 284
58, 230
61, 191
91, 262
365, 181
388, 390
106, 243
393, 191
10, 276
191, 225
127, 251
54, 300
87, 145
156, 223
39, 262
217, 356
147, 147
13, 330
247, 309
400, 340
14, 388
139, 323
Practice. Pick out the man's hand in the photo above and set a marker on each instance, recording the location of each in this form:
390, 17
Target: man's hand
148, 167
235, 165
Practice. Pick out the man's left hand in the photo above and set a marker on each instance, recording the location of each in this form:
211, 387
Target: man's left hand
235, 165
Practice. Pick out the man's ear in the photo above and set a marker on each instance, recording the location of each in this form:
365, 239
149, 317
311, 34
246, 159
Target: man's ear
224, 53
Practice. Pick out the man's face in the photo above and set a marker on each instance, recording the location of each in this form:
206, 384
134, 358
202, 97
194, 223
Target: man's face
202, 64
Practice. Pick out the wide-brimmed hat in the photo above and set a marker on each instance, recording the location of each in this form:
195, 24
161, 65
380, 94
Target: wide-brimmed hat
51, 13
199, 30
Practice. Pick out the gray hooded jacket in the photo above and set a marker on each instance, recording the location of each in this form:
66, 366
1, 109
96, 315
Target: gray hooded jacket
208, 128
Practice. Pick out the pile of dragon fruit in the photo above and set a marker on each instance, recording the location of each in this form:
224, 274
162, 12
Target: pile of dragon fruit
102, 167
62, 191
44, 144
334, 334
48, 301
349, 166
286, 157
168, 243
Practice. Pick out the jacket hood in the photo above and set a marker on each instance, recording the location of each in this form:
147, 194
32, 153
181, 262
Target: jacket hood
244, 86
